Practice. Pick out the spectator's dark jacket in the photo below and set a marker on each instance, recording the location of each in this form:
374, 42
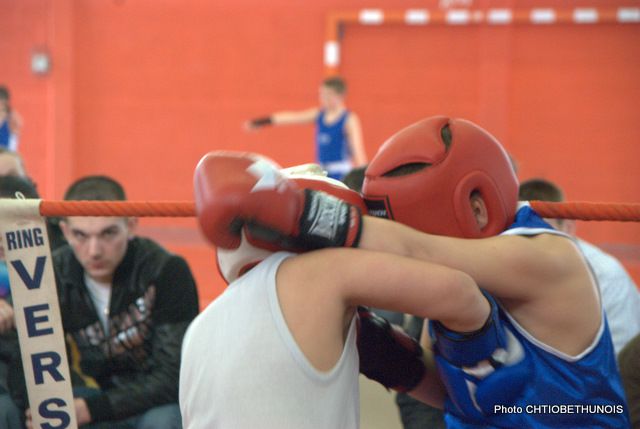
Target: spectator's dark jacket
153, 300
8, 350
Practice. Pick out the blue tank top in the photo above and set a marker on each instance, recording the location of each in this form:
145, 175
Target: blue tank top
331, 140
563, 391
5, 134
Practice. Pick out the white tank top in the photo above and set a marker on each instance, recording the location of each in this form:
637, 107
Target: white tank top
242, 369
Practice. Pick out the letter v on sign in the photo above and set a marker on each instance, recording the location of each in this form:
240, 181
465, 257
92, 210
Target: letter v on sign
32, 282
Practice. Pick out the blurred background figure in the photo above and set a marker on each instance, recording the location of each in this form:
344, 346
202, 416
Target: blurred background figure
629, 363
10, 122
339, 143
11, 163
620, 295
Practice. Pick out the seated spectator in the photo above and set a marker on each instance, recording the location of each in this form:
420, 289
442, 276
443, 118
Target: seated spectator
125, 304
620, 296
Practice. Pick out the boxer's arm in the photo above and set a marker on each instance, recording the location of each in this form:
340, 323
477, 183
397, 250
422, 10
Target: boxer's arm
15, 122
356, 145
508, 266
335, 280
284, 118
295, 117
358, 277
416, 287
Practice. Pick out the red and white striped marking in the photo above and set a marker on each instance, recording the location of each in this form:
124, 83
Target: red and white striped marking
416, 17
585, 16
630, 14
371, 17
463, 17
499, 16
542, 16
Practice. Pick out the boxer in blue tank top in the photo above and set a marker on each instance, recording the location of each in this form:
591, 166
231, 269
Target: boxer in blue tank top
534, 385
339, 145
540, 355
531, 345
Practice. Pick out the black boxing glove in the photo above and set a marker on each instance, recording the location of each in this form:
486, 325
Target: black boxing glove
388, 355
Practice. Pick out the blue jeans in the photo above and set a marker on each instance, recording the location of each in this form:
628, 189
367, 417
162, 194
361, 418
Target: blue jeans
160, 417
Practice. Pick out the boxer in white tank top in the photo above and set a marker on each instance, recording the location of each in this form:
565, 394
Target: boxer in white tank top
277, 349
242, 367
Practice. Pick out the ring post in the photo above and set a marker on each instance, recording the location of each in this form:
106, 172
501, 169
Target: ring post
37, 314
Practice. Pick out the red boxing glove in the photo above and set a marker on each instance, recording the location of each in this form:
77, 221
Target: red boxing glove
236, 190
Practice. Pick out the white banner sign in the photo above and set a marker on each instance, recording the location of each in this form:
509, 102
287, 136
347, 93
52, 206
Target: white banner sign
37, 313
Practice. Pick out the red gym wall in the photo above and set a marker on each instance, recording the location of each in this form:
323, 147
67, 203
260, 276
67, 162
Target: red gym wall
140, 90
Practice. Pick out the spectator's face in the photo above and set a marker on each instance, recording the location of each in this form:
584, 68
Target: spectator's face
99, 243
10, 165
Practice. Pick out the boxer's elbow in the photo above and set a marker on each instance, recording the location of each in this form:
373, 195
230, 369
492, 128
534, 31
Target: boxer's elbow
467, 308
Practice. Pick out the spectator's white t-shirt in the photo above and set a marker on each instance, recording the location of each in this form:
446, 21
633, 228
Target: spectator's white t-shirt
100, 294
620, 296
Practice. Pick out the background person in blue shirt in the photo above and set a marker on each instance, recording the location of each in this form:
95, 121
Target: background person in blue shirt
10, 121
339, 145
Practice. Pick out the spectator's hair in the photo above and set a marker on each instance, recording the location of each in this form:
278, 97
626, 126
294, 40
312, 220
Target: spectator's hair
541, 190
9, 185
335, 83
99, 188
4, 93
355, 178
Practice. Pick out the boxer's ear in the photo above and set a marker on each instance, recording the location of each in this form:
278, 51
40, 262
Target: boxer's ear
132, 226
479, 209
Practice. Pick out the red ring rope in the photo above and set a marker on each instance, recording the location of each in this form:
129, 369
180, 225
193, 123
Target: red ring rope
623, 212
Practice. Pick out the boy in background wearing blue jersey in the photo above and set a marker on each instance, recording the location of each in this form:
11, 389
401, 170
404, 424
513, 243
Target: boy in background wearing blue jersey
10, 122
339, 145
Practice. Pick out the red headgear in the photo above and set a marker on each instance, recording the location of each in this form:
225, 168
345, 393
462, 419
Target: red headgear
424, 175
233, 263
